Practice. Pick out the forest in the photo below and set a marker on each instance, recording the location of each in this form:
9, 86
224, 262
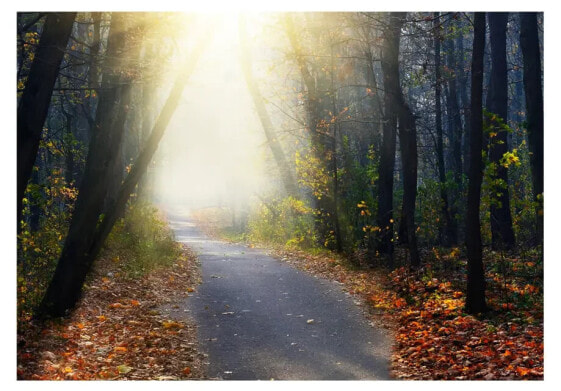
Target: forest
399, 154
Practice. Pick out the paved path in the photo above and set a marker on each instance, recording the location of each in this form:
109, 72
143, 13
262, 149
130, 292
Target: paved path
260, 318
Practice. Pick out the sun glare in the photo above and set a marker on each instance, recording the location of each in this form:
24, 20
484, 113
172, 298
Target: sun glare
213, 151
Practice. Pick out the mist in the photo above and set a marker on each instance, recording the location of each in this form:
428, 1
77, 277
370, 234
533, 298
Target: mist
214, 152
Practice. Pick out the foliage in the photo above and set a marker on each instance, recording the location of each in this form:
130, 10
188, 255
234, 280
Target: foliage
287, 221
141, 241
429, 206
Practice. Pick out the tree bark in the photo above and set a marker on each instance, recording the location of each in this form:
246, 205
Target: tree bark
455, 127
389, 62
475, 298
408, 144
530, 45
497, 103
34, 104
448, 234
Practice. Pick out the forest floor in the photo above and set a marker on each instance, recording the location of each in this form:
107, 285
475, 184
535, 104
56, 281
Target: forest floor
433, 338
117, 331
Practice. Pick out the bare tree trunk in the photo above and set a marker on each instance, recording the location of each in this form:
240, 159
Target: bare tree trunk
408, 144
276, 148
448, 234
34, 104
455, 122
465, 104
530, 44
497, 103
475, 298
389, 62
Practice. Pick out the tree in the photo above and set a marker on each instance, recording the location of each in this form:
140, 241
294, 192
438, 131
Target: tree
272, 139
455, 134
449, 230
407, 139
322, 142
497, 105
475, 298
530, 45
34, 103
89, 228
389, 62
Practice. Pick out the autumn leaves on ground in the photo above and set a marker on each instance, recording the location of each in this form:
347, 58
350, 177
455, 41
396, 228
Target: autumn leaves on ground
118, 331
433, 337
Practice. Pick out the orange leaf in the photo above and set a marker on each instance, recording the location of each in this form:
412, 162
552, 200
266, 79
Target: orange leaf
101, 318
116, 305
507, 353
135, 303
121, 349
186, 370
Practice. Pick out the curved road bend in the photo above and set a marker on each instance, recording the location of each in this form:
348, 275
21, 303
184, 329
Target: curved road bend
261, 319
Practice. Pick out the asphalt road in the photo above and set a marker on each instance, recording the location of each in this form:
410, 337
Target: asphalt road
260, 319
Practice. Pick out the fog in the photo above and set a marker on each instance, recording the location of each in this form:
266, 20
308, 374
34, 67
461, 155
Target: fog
214, 150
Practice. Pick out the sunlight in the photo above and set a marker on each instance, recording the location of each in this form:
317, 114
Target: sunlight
213, 152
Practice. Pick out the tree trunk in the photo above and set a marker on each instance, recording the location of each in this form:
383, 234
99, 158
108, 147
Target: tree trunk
389, 62
455, 126
36, 97
276, 148
408, 144
321, 146
475, 298
65, 288
497, 103
530, 44
448, 234
463, 84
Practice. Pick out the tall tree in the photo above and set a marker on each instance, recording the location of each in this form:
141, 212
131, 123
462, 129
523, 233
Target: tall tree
449, 232
36, 97
530, 44
497, 103
475, 298
407, 141
389, 62
104, 145
272, 139
86, 237
322, 142
455, 134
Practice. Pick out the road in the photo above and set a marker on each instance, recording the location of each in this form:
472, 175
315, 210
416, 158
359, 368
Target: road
260, 319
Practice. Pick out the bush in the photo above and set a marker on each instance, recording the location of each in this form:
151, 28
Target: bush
142, 241
287, 222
